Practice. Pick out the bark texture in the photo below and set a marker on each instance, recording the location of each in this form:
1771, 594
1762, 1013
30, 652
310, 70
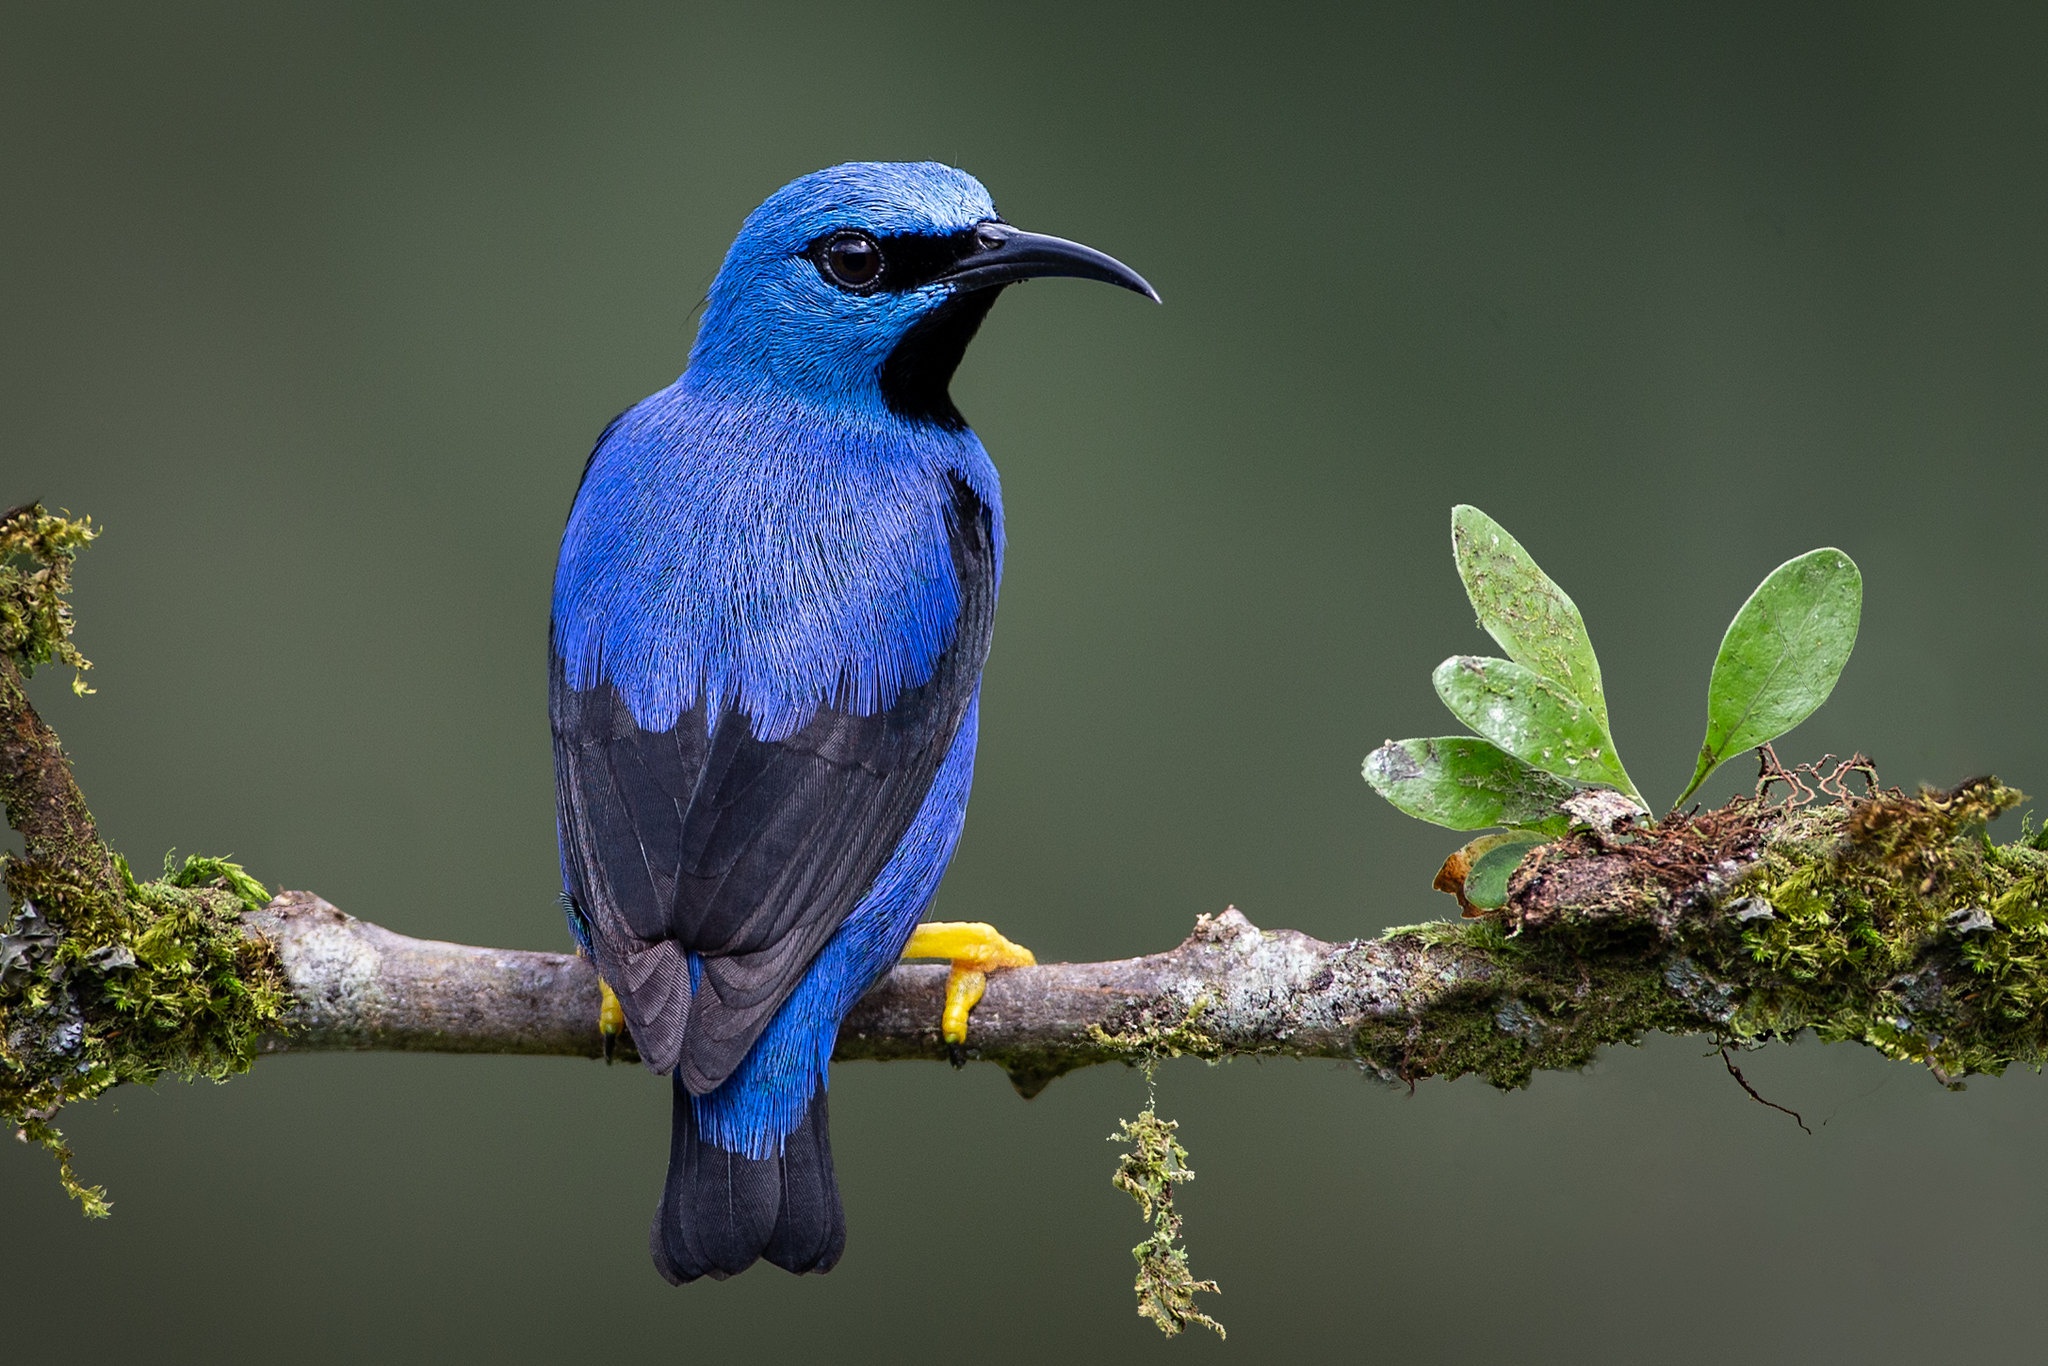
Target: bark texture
42, 801
1229, 988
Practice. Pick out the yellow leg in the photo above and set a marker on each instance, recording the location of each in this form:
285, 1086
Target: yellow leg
975, 949
611, 1017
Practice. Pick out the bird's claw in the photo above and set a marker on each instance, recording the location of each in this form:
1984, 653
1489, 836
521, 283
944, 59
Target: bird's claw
975, 949
611, 1019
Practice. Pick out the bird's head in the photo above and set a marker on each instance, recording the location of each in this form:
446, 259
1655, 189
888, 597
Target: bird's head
860, 287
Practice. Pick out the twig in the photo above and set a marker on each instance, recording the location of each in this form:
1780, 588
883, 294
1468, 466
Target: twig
1743, 1082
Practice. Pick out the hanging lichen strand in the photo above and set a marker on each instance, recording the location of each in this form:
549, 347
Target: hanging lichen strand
103, 979
36, 552
1148, 1172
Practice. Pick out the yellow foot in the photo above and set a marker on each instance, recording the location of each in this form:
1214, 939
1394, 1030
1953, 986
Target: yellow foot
975, 950
611, 1017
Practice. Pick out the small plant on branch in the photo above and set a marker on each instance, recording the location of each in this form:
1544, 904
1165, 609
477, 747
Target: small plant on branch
1543, 757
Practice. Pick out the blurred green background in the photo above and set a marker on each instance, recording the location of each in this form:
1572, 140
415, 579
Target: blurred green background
318, 309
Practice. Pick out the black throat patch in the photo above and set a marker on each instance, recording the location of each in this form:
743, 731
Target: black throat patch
917, 378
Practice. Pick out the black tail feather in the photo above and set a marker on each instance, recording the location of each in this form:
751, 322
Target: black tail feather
810, 1233
721, 1212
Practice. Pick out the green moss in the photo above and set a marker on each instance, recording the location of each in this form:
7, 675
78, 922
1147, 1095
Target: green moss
1897, 923
104, 979
1148, 1043
97, 991
1148, 1171
1890, 920
1547, 1001
36, 552
1154, 1164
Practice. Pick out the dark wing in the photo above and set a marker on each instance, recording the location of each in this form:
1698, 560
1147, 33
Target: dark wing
749, 854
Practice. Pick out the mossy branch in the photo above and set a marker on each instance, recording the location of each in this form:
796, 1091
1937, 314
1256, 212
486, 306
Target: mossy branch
1891, 920
103, 979
1883, 918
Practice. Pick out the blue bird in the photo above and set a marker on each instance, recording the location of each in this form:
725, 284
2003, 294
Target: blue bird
774, 598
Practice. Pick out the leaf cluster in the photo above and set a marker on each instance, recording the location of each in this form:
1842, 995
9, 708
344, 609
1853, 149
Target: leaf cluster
1539, 716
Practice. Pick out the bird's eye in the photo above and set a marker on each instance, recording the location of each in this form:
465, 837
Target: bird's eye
851, 260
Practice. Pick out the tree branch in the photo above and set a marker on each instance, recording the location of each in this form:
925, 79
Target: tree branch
1862, 920
1884, 918
41, 799
1231, 988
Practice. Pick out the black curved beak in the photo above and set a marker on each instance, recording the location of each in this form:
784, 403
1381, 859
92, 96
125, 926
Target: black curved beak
1003, 255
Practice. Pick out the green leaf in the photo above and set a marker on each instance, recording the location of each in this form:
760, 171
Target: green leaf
1520, 606
1781, 657
1486, 882
1534, 718
1466, 783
